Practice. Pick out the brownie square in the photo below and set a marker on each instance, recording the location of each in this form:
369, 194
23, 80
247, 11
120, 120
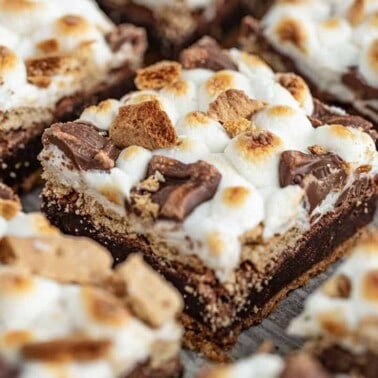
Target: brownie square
64, 311
226, 176
332, 45
56, 58
173, 25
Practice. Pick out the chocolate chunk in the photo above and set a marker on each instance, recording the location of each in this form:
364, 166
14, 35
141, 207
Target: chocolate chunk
185, 186
359, 86
302, 365
206, 53
83, 145
127, 33
318, 175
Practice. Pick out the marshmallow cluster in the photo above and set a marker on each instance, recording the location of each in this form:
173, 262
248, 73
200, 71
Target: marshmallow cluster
345, 308
34, 309
36, 29
249, 193
326, 38
191, 4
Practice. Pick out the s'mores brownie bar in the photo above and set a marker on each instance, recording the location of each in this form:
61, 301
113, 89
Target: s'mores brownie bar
333, 44
341, 317
224, 175
65, 313
56, 57
174, 24
264, 365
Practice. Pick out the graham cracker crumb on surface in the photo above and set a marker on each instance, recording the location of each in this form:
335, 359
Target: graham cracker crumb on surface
238, 126
158, 75
145, 125
149, 296
232, 105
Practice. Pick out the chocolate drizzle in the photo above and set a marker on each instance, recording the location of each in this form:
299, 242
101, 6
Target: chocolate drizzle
185, 186
83, 145
317, 174
206, 53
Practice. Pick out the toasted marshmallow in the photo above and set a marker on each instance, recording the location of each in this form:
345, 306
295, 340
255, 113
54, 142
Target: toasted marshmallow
8, 38
133, 161
218, 83
183, 94
101, 115
148, 95
290, 124
12, 69
250, 65
368, 66
197, 75
188, 150
23, 298
352, 145
255, 155
198, 125
366, 31
282, 209
31, 224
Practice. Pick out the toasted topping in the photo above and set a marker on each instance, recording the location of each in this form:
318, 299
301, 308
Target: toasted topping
10, 203
302, 365
333, 322
148, 295
206, 53
62, 258
356, 11
370, 286
185, 186
338, 287
64, 350
295, 85
83, 145
145, 125
318, 175
72, 25
232, 105
48, 46
235, 196
158, 75
8, 60
16, 282
50, 66
238, 126
290, 30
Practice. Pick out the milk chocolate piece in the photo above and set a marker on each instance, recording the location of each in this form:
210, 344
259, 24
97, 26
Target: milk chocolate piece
206, 53
83, 144
185, 186
126, 33
318, 175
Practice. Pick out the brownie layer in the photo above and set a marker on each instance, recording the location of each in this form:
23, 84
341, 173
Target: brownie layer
209, 305
19, 149
173, 40
253, 40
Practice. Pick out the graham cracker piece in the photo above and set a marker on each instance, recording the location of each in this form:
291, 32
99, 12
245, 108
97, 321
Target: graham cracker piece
144, 124
158, 75
233, 104
238, 126
148, 295
10, 203
58, 257
66, 349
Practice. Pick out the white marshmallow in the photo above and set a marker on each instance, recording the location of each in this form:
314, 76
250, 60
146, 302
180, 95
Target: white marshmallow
199, 126
368, 65
290, 124
101, 115
352, 145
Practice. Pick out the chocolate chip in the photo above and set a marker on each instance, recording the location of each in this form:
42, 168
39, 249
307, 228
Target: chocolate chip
302, 365
185, 186
206, 53
318, 175
83, 145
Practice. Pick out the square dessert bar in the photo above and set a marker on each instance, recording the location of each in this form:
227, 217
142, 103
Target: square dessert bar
340, 319
333, 44
65, 313
56, 57
226, 176
174, 24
